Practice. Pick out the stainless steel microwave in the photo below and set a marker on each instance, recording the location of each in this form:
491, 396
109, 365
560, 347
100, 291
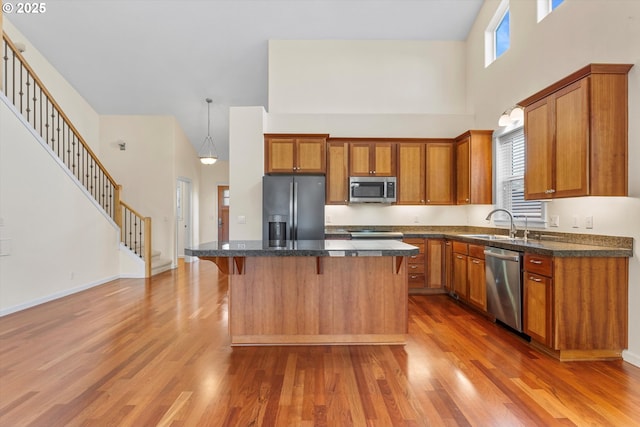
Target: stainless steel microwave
372, 189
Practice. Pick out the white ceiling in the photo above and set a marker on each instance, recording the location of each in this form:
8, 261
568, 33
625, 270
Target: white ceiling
165, 57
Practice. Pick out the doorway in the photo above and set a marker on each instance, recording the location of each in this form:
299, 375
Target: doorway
184, 234
223, 213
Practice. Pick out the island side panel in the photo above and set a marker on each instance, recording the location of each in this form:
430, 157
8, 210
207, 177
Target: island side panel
283, 300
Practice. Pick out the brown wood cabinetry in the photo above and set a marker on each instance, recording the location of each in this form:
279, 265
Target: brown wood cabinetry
576, 135
425, 173
476, 276
538, 294
337, 173
459, 282
287, 154
426, 270
448, 265
411, 173
576, 308
372, 158
473, 167
440, 173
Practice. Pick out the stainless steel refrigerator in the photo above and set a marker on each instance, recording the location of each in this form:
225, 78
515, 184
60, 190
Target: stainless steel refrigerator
297, 203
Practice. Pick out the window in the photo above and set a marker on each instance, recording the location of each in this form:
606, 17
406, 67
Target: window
545, 7
497, 36
510, 181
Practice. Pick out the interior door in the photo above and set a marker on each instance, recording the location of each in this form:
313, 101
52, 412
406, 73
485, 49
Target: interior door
223, 213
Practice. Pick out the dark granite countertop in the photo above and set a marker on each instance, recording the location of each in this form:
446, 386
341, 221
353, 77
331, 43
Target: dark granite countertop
341, 248
552, 244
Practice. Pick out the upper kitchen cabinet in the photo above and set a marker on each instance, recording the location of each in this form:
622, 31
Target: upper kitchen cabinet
425, 172
576, 135
372, 158
285, 153
439, 173
337, 173
473, 167
411, 173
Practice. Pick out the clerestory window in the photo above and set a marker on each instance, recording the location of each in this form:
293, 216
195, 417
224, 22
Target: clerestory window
498, 33
545, 7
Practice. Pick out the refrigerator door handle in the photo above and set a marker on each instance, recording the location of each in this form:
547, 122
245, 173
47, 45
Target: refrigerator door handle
291, 222
295, 211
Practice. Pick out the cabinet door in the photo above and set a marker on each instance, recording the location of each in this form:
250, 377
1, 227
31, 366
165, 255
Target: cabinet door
448, 265
439, 173
416, 264
435, 264
310, 155
337, 173
538, 173
279, 155
537, 308
460, 275
462, 172
384, 161
572, 140
477, 283
411, 170
360, 154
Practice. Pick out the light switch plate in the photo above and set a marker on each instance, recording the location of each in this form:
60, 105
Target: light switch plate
554, 221
242, 219
588, 222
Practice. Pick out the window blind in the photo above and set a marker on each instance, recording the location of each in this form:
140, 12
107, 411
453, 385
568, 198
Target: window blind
510, 177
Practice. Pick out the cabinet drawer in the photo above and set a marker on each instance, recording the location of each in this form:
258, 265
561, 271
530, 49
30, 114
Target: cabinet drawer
460, 248
416, 259
416, 280
476, 251
539, 264
415, 268
415, 242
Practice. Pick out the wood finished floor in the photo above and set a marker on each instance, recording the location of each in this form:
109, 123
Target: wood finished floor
156, 353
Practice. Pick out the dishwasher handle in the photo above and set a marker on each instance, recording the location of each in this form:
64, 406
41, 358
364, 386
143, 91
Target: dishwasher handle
501, 256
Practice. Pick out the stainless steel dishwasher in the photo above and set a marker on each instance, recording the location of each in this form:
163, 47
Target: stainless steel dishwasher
504, 285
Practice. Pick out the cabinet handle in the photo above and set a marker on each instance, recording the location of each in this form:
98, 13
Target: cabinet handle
535, 279
475, 261
428, 200
413, 277
466, 200
458, 256
414, 266
535, 261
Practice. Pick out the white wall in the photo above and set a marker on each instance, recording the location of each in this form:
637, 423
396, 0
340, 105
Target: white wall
84, 117
157, 153
246, 167
574, 35
371, 77
59, 241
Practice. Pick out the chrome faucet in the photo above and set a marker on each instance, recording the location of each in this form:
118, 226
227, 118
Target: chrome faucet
512, 228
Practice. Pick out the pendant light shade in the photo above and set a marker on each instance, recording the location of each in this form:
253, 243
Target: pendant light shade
207, 152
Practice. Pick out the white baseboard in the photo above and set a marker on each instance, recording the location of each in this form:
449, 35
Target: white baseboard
632, 358
38, 301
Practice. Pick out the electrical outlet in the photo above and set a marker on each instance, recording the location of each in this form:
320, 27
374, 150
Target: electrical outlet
242, 219
327, 219
416, 220
588, 222
555, 221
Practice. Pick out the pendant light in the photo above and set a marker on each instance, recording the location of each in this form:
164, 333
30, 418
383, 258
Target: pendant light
207, 152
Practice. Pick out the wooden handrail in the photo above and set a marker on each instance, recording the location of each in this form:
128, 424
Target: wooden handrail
41, 111
35, 77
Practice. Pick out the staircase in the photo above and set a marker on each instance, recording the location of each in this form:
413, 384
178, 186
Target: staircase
25, 90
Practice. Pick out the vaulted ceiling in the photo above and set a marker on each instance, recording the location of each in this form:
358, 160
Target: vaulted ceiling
164, 57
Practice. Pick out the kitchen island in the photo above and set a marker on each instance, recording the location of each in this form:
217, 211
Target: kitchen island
314, 291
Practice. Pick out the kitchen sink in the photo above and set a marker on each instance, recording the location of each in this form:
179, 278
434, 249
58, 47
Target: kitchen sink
491, 237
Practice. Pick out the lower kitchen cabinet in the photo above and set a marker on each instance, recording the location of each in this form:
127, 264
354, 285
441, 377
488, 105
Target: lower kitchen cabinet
575, 308
426, 270
538, 295
459, 282
476, 277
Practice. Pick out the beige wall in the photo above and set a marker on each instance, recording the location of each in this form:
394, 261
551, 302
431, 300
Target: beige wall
574, 35
211, 176
56, 240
